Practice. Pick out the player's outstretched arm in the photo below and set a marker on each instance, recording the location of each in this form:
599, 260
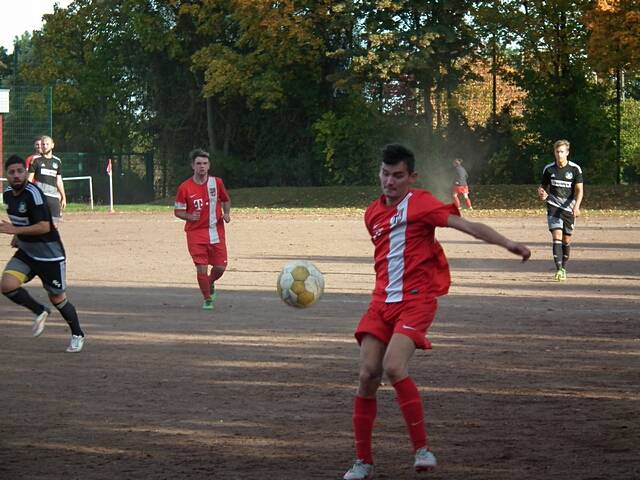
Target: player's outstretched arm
487, 234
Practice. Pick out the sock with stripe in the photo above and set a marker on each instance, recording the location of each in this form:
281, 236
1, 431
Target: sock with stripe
408, 398
69, 313
557, 253
566, 250
364, 414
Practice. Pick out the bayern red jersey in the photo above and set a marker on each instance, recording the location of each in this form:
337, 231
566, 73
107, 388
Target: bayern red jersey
409, 262
206, 198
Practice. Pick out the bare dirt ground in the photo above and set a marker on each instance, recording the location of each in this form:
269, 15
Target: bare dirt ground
528, 378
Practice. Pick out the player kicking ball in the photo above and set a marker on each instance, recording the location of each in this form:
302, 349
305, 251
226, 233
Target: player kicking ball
411, 272
40, 253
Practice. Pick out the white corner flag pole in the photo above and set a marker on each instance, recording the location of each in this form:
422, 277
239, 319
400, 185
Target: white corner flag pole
110, 173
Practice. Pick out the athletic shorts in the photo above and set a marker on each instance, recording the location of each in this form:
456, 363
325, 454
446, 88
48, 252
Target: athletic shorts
52, 274
208, 253
412, 319
54, 207
458, 189
559, 219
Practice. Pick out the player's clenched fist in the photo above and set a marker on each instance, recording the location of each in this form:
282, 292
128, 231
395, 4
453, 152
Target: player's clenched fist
542, 194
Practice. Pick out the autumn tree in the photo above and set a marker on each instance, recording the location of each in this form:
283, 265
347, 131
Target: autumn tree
614, 47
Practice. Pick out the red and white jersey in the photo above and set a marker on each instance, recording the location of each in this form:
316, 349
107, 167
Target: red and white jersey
409, 262
206, 198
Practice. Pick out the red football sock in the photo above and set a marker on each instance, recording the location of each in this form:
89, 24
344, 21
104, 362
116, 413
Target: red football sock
214, 275
203, 283
410, 403
364, 414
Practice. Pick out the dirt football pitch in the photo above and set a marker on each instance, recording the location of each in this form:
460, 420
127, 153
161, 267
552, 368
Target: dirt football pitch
528, 378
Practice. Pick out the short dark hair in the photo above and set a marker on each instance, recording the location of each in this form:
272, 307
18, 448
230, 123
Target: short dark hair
198, 152
14, 159
395, 153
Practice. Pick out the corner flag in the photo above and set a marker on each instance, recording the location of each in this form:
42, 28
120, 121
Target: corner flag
109, 171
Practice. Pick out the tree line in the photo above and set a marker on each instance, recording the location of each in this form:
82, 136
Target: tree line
306, 92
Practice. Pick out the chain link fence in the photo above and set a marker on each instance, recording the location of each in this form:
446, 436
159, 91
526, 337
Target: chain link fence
30, 116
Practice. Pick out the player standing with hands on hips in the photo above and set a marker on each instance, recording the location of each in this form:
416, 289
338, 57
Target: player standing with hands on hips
562, 189
40, 253
203, 203
411, 272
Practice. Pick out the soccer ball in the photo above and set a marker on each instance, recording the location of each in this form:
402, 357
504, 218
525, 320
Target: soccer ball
300, 284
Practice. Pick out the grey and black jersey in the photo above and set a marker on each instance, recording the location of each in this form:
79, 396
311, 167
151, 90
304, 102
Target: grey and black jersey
27, 208
46, 171
460, 176
561, 183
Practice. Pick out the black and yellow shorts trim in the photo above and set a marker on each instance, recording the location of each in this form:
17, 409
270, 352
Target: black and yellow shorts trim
52, 274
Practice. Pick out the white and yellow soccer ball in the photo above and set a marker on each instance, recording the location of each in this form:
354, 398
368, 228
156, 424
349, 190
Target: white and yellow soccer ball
300, 284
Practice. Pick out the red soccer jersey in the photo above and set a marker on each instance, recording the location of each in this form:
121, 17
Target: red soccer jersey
409, 262
206, 198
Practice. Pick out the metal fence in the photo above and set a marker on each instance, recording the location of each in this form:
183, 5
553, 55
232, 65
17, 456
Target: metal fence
30, 115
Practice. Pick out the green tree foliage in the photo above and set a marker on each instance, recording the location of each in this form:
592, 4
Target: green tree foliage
562, 101
421, 46
631, 139
305, 92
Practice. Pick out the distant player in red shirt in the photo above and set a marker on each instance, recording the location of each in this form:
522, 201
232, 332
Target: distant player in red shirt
37, 151
411, 272
203, 203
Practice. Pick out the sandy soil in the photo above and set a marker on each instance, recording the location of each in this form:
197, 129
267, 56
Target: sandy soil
528, 378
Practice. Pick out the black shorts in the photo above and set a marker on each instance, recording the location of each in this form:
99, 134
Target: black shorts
52, 274
559, 219
54, 207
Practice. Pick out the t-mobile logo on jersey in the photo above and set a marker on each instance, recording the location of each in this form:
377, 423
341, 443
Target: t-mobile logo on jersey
197, 203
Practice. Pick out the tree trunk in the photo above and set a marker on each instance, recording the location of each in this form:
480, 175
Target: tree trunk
494, 83
427, 86
618, 125
227, 136
211, 131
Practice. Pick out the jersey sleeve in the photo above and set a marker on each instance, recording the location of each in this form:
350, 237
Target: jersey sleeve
223, 195
439, 216
33, 166
433, 212
181, 198
37, 207
579, 176
546, 178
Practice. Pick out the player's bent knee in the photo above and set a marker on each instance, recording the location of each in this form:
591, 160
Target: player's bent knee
57, 298
370, 379
395, 373
9, 282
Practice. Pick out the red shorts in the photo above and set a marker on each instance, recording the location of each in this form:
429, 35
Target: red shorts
460, 189
208, 253
412, 319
